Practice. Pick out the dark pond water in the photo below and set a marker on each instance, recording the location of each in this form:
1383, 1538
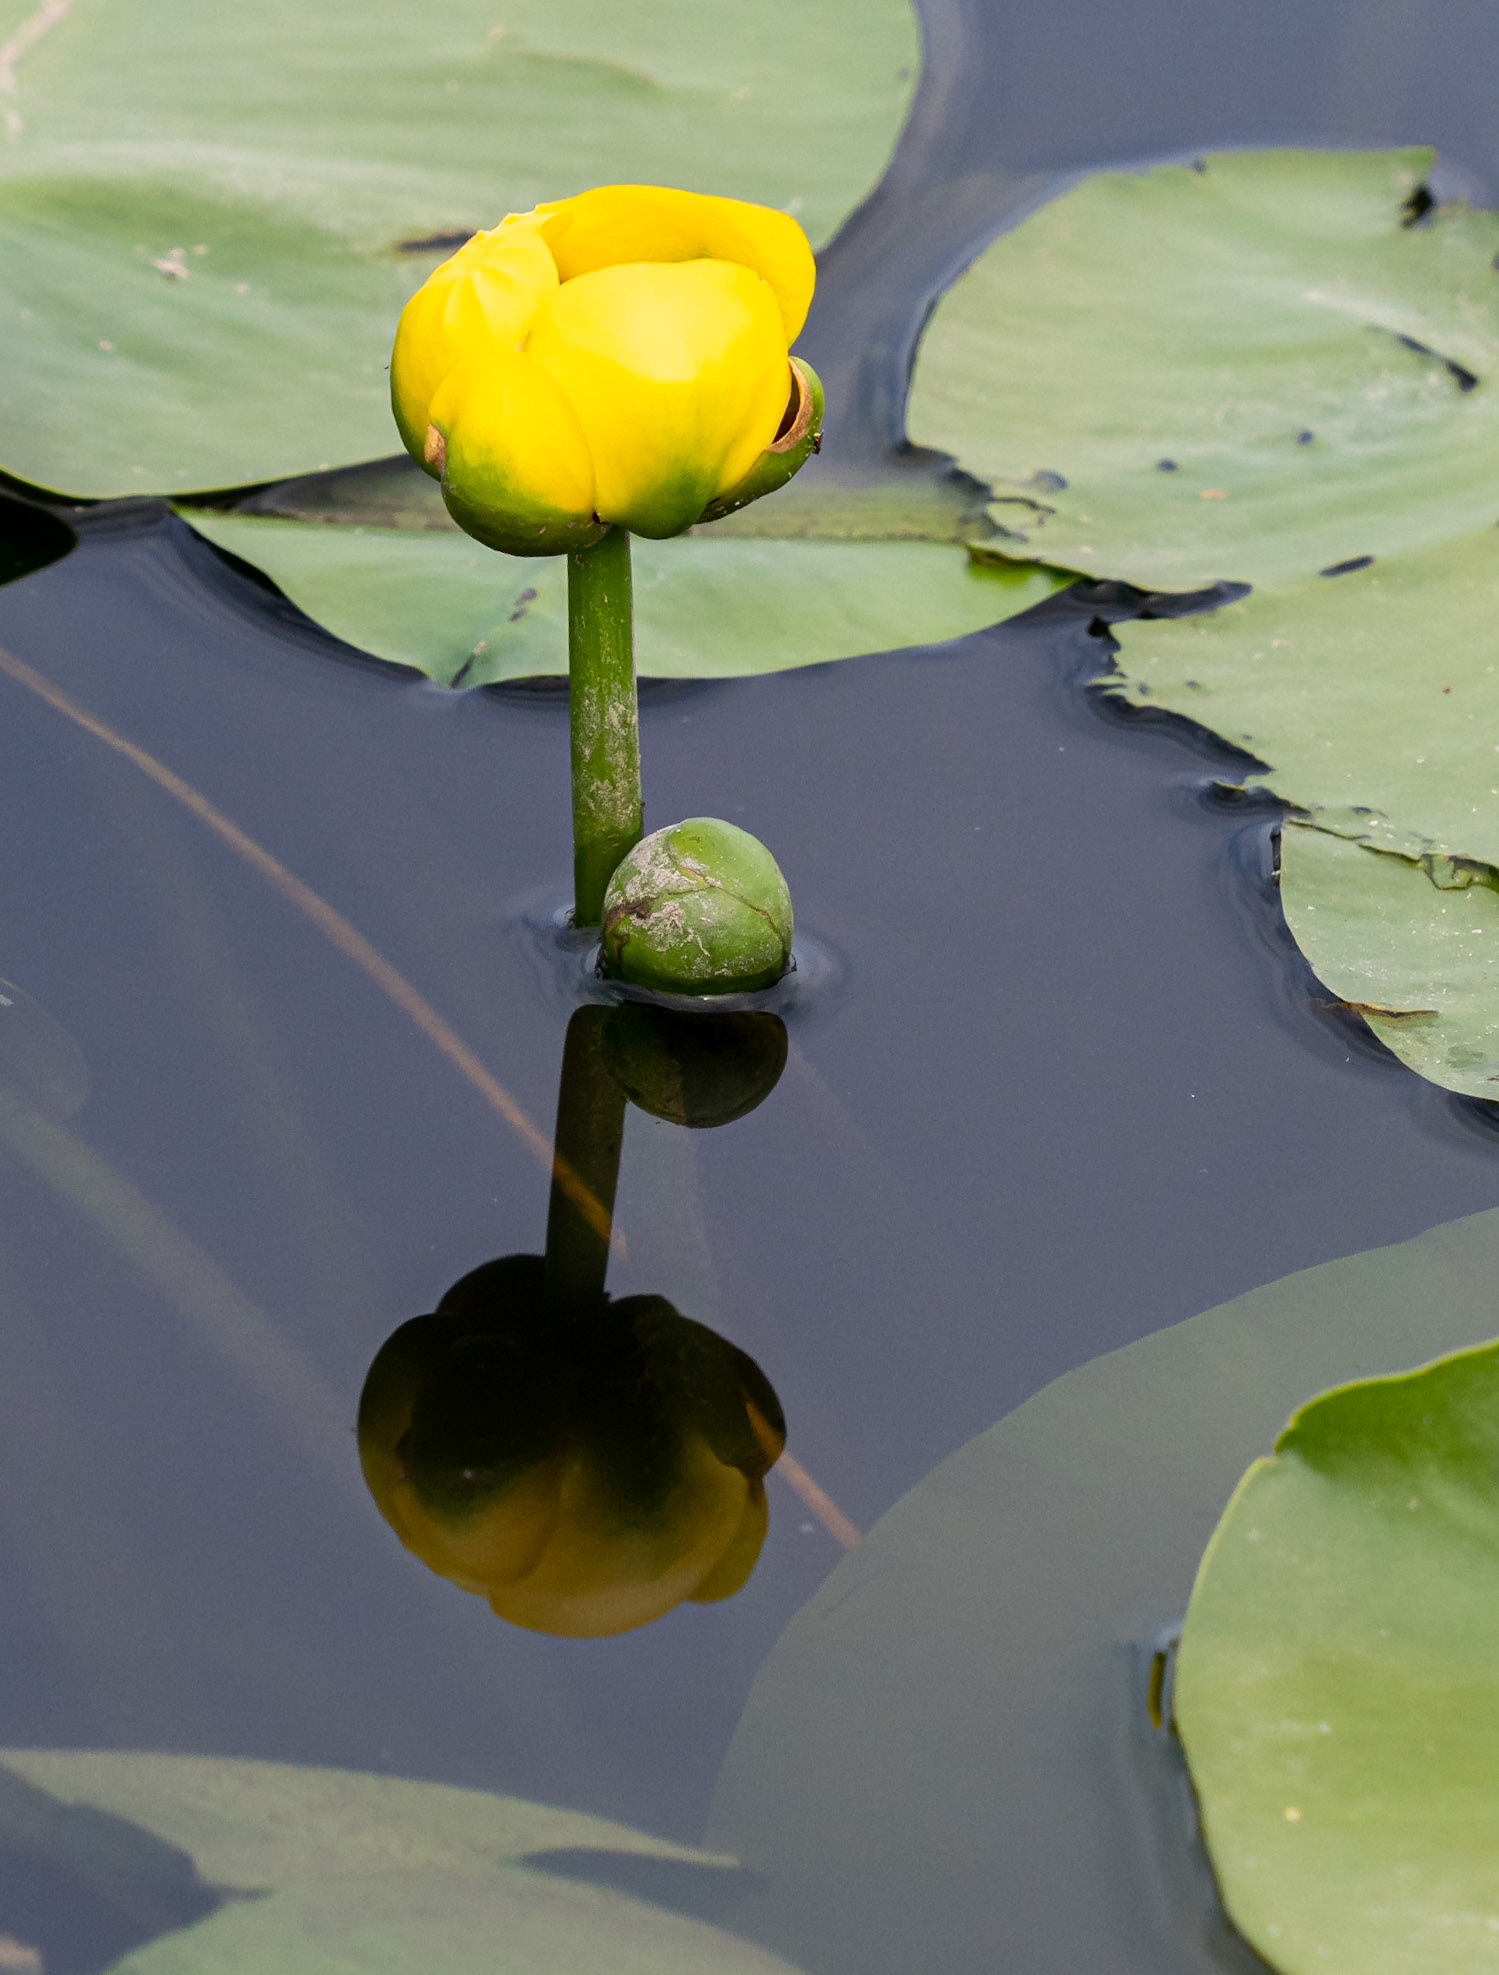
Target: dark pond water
1056, 1080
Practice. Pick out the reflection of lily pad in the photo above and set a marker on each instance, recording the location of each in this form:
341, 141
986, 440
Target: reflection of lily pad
705, 607
203, 210
946, 1761
1337, 1688
359, 1875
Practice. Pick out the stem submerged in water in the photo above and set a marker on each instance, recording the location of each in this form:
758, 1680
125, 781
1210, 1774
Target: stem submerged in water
608, 816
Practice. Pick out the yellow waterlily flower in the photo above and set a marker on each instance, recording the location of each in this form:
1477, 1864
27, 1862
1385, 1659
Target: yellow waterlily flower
616, 359
583, 1473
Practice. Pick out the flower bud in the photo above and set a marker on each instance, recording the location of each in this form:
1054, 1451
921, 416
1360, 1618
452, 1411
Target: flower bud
620, 358
583, 1471
698, 908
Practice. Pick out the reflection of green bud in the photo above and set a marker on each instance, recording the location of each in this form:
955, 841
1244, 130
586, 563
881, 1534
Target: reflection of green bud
698, 908
793, 446
583, 1470
691, 1069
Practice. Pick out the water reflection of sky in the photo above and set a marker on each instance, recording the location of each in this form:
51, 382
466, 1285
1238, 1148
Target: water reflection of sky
1068, 1089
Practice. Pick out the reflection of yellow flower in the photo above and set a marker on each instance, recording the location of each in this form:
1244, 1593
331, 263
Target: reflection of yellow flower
585, 1475
617, 358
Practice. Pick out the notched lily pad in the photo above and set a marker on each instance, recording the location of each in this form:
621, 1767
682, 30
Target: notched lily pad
1253, 371
706, 606
1410, 950
1337, 1690
1277, 368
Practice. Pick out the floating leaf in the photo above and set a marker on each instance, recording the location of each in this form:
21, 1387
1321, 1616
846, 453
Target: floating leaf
348, 1874
706, 607
947, 1762
212, 217
901, 499
1251, 370
1411, 944
1337, 1690
1370, 695
1276, 367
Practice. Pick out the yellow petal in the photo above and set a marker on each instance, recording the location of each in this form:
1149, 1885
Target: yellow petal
516, 469
678, 375
615, 224
485, 296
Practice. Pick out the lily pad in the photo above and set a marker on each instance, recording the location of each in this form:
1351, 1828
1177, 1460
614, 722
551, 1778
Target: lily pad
1277, 368
213, 217
345, 1874
1370, 695
1248, 370
705, 607
947, 1760
1412, 944
1337, 1691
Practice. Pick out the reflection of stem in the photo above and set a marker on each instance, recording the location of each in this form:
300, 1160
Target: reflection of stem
608, 816
590, 1133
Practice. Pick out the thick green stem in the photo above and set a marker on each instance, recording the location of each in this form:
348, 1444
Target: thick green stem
608, 817
585, 1164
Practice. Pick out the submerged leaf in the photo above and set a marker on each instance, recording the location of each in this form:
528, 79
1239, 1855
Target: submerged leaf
946, 1761
706, 606
346, 1874
1336, 1687
212, 217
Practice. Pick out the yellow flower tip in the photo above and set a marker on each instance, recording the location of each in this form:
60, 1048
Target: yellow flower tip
614, 224
677, 374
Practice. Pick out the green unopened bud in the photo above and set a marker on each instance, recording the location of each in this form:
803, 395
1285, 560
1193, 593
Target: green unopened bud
799, 437
698, 908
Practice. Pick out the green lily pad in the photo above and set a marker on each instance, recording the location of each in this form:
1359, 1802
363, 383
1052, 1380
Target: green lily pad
947, 1760
1369, 695
348, 1874
1276, 368
706, 607
212, 217
902, 499
1411, 943
1251, 371
1337, 1690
